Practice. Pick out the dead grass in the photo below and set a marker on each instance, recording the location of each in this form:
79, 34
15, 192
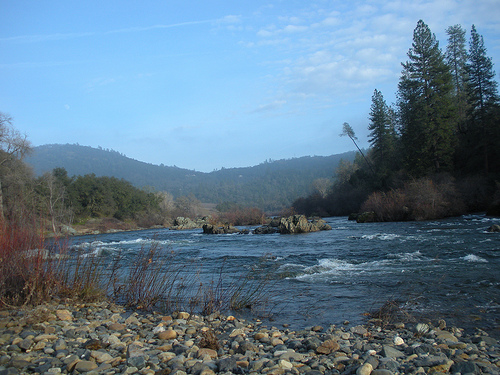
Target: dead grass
209, 340
391, 312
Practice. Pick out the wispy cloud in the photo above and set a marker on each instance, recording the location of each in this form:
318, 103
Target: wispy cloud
38, 38
45, 37
277, 104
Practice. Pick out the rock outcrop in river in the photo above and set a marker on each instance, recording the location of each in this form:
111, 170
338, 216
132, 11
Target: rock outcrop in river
223, 229
293, 225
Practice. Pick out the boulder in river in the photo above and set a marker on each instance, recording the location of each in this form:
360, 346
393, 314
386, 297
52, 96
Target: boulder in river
184, 223
224, 229
494, 228
293, 225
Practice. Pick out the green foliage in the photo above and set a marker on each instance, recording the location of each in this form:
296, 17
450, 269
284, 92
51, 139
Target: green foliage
427, 114
383, 137
60, 198
108, 197
456, 58
483, 135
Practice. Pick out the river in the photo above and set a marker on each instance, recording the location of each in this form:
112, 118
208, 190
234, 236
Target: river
436, 269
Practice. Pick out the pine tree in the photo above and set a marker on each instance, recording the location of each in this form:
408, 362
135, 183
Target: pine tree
382, 132
483, 99
426, 111
456, 57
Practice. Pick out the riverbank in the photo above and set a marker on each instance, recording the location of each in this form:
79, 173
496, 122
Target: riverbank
103, 338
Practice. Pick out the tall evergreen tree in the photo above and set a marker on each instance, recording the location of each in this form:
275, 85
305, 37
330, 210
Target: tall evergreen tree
483, 98
456, 57
427, 114
382, 132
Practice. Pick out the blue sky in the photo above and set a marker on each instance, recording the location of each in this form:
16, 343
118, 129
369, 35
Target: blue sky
210, 84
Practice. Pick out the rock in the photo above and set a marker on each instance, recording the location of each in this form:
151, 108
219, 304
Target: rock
26, 344
359, 330
296, 224
390, 352
60, 344
398, 341
117, 327
207, 352
265, 229
237, 332
465, 368
365, 369
284, 364
275, 341
366, 217
85, 366
19, 363
137, 362
100, 356
183, 315
166, 356
292, 225
247, 346
261, 335
169, 334
227, 364
224, 229
431, 360
45, 336
494, 228
446, 336
132, 320
93, 344
184, 223
64, 315
321, 224
327, 347
312, 343
67, 230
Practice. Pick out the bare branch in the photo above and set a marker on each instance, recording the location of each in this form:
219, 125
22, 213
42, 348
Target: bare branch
12, 142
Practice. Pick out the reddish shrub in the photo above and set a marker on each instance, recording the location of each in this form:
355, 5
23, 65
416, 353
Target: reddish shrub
243, 216
422, 199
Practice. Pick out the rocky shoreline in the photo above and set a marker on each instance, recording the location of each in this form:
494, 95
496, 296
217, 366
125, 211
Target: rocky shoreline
102, 338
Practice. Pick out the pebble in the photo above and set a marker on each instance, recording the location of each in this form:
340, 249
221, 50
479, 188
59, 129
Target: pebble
102, 338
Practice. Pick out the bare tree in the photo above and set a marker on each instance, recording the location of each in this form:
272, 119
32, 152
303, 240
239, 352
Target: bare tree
55, 202
167, 204
348, 130
13, 145
322, 186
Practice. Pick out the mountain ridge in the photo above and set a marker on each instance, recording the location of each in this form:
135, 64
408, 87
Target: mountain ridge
271, 185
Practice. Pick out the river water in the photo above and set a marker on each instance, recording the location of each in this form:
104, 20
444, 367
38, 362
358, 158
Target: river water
439, 269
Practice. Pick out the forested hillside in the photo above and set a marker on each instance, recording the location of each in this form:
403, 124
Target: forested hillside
271, 185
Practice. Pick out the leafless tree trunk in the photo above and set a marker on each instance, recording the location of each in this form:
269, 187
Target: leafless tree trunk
13, 145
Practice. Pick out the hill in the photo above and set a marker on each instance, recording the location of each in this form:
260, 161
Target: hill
271, 185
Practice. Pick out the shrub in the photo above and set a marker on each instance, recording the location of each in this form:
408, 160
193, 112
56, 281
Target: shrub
422, 199
390, 206
243, 216
28, 274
